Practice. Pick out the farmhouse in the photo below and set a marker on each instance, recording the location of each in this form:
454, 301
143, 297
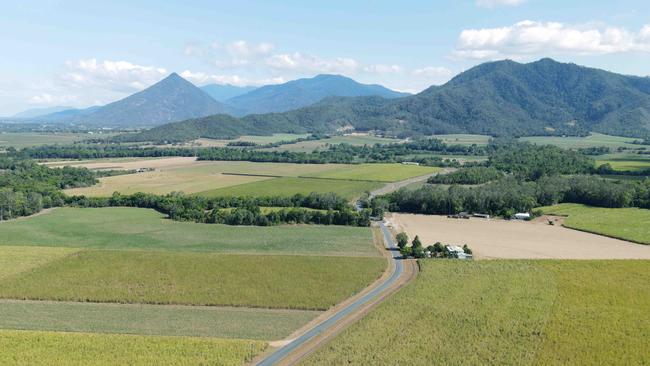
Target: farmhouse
455, 251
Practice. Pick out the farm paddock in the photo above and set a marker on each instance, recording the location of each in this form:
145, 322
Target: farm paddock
494, 238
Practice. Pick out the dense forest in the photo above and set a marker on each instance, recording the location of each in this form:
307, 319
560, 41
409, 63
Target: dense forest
26, 187
471, 175
522, 176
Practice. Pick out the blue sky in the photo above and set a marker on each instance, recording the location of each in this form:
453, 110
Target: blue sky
82, 53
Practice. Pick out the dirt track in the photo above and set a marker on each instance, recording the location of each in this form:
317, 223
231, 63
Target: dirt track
496, 238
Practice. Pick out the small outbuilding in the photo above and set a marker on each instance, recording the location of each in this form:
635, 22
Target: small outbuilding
522, 216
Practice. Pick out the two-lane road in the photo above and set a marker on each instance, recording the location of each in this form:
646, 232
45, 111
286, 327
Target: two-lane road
376, 293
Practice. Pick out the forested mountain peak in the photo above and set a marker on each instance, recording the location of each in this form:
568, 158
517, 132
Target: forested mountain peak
502, 98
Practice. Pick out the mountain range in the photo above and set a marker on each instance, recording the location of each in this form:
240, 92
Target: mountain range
176, 99
502, 98
37, 112
304, 92
222, 93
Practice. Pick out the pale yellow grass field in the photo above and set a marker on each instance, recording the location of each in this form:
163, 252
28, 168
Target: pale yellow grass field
187, 175
496, 238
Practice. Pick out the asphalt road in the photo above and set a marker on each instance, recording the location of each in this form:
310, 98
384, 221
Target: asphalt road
285, 350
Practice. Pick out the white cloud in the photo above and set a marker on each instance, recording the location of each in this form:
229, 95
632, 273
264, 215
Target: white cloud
119, 76
299, 62
433, 71
495, 3
530, 38
239, 53
383, 69
52, 99
205, 78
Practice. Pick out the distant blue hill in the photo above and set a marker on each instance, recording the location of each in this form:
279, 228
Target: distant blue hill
304, 92
37, 112
222, 93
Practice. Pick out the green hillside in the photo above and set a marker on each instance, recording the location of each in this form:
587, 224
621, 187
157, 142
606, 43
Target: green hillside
496, 98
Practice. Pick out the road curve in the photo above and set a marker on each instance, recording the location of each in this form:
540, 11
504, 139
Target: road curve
284, 351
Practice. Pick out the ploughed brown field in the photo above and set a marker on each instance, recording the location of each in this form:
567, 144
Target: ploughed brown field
496, 238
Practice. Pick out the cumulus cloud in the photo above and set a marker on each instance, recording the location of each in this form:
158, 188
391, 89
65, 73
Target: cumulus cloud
119, 76
383, 69
528, 38
206, 78
495, 3
433, 71
52, 99
239, 53
299, 62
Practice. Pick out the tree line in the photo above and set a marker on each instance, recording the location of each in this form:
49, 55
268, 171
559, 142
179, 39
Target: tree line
315, 208
510, 195
471, 175
424, 151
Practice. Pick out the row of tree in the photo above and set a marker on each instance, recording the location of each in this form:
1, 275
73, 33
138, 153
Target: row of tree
315, 208
510, 195
425, 151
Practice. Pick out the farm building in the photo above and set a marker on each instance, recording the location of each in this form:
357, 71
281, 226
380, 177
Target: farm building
455, 251
482, 216
522, 216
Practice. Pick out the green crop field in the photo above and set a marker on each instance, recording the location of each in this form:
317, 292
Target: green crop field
506, 313
288, 282
464, 139
288, 186
624, 223
574, 142
79, 349
14, 260
136, 228
169, 320
357, 140
376, 172
625, 161
20, 140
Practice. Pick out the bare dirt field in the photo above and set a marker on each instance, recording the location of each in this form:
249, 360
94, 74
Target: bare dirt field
495, 238
129, 163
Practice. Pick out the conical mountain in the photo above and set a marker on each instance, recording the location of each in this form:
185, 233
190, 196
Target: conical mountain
171, 99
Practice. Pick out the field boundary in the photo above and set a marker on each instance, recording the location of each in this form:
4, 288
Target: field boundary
255, 175
345, 179
605, 235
